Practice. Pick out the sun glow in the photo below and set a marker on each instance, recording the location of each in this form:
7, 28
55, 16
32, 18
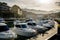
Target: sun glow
44, 1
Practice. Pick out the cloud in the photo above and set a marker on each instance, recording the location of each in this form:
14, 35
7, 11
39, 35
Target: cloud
31, 4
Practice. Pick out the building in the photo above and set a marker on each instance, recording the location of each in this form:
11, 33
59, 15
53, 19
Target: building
17, 11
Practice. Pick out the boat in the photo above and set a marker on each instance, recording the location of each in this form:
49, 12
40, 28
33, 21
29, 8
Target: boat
33, 25
47, 23
21, 29
5, 32
2, 20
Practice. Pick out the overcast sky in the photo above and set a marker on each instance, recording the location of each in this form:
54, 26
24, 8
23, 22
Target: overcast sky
34, 4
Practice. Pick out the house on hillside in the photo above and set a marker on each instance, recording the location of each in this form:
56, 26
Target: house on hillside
17, 11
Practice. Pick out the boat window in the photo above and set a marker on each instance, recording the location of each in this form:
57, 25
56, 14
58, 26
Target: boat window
29, 20
46, 22
23, 26
19, 26
3, 28
32, 24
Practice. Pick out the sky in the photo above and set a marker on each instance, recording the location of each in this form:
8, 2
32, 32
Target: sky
34, 4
